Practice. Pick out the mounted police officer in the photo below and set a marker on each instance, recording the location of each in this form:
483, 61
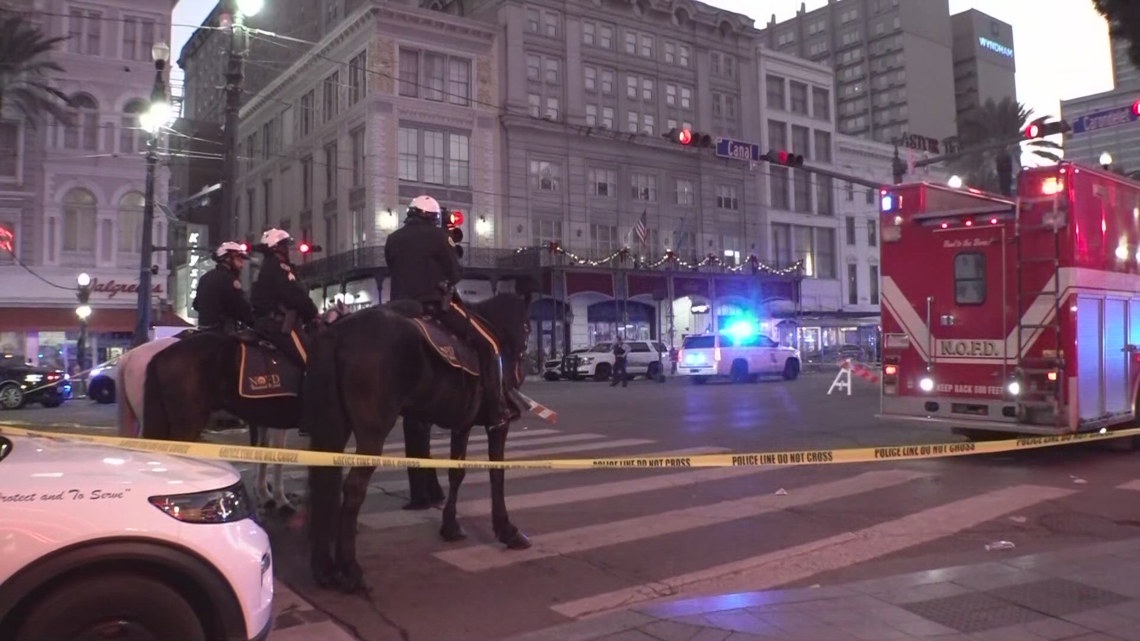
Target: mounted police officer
423, 266
220, 301
280, 302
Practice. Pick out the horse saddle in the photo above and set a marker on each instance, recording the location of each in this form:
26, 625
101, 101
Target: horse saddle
265, 372
453, 350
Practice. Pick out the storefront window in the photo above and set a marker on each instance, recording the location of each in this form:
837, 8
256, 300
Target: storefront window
12, 343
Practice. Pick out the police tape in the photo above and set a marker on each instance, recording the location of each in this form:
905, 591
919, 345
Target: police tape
279, 456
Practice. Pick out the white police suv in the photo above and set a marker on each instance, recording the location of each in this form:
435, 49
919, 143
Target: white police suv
739, 352
103, 543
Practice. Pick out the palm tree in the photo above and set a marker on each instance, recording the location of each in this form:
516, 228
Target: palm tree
984, 128
26, 70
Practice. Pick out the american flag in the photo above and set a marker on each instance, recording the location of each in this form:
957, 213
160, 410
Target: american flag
641, 228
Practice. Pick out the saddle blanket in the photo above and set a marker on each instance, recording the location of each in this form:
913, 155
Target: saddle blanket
451, 349
267, 373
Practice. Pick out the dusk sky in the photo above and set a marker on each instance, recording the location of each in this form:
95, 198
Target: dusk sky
1044, 74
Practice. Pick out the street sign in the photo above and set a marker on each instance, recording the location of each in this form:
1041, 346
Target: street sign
737, 150
1104, 119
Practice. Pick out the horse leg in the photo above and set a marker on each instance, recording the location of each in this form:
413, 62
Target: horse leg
451, 530
423, 483
277, 439
505, 531
257, 438
369, 442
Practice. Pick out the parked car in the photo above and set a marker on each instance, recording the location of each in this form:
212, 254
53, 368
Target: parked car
101, 383
552, 368
739, 358
104, 543
21, 383
644, 358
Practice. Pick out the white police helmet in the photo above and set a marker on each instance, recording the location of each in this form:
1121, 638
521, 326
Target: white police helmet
229, 248
425, 206
273, 238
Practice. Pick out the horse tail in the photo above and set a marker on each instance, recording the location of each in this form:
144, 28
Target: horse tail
323, 417
128, 417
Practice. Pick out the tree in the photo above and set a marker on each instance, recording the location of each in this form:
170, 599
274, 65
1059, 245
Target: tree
982, 129
26, 70
1123, 18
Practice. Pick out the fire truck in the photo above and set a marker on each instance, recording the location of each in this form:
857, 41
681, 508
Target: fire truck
1013, 315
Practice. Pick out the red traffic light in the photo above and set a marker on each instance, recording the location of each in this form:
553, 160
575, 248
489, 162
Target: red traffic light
304, 248
784, 157
455, 218
685, 137
244, 247
1033, 131
1136, 108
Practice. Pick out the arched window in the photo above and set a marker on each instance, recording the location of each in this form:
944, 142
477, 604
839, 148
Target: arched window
130, 133
83, 131
130, 222
79, 211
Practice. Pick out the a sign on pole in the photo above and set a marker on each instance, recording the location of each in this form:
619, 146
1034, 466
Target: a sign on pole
1104, 119
737, 150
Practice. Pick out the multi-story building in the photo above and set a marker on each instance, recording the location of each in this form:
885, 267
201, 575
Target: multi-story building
984, 66
798, 110
72, 194
1113, 133
395, 102
893, 65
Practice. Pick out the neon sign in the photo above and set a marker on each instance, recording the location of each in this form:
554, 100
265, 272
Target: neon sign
996, 47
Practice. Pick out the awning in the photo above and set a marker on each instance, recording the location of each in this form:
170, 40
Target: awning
61, 319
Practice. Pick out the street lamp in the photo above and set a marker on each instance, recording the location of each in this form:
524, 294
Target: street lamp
234, 17
83, 311
1106, 160
153, 120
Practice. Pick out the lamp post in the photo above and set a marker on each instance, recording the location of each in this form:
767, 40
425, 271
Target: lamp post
153, 120
83, 311
238, 11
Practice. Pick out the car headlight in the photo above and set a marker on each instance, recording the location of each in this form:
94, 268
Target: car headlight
586, 360
214, 506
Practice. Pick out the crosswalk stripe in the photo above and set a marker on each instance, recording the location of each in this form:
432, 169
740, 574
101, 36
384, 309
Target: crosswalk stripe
444, 449
478, 435
1131, 485
781, 567
397, 481
477, 558
564, 496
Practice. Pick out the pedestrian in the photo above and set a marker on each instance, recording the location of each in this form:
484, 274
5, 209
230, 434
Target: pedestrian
620, 374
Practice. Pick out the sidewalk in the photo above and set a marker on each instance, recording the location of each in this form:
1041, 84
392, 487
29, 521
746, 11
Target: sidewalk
1086, 595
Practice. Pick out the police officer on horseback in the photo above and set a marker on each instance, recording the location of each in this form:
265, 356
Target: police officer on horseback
220, 301
423, 267
280, 302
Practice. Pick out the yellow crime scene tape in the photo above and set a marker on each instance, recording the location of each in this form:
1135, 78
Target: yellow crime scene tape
248, 454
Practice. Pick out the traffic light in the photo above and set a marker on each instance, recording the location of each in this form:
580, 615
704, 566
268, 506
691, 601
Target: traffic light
452, 220
1136, 108
306, 248
244, 248
688, 138
785, 158
1040, 129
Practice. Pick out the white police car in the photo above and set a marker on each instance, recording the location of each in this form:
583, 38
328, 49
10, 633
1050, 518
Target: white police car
739, 352
101, 383
103, 543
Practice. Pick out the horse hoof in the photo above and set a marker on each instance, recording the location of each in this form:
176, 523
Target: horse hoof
517, 541
453, 533
350, 580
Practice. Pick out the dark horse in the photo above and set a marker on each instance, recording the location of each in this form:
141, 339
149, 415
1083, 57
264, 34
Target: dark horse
367, 371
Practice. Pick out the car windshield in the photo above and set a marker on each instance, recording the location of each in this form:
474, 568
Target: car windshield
699, 342
601, 347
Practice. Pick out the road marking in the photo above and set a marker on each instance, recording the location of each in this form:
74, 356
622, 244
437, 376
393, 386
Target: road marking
578, 494
785, 566
477, 558
479, 436
1131, 485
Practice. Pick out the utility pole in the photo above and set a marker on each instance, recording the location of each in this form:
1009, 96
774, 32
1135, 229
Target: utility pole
235, 75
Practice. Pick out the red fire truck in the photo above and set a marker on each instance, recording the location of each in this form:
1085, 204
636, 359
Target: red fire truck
1013, 315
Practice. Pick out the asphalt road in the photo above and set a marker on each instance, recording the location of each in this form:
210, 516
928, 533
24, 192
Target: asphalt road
608, 538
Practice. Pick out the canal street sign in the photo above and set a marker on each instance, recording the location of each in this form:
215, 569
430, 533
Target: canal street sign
1106, 118
737, 150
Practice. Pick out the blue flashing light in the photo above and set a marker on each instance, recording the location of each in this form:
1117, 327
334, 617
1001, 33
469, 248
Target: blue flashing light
740, 329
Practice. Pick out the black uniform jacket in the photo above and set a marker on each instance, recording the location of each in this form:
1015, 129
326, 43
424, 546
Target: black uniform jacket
277, 290
420, 256
221, 298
